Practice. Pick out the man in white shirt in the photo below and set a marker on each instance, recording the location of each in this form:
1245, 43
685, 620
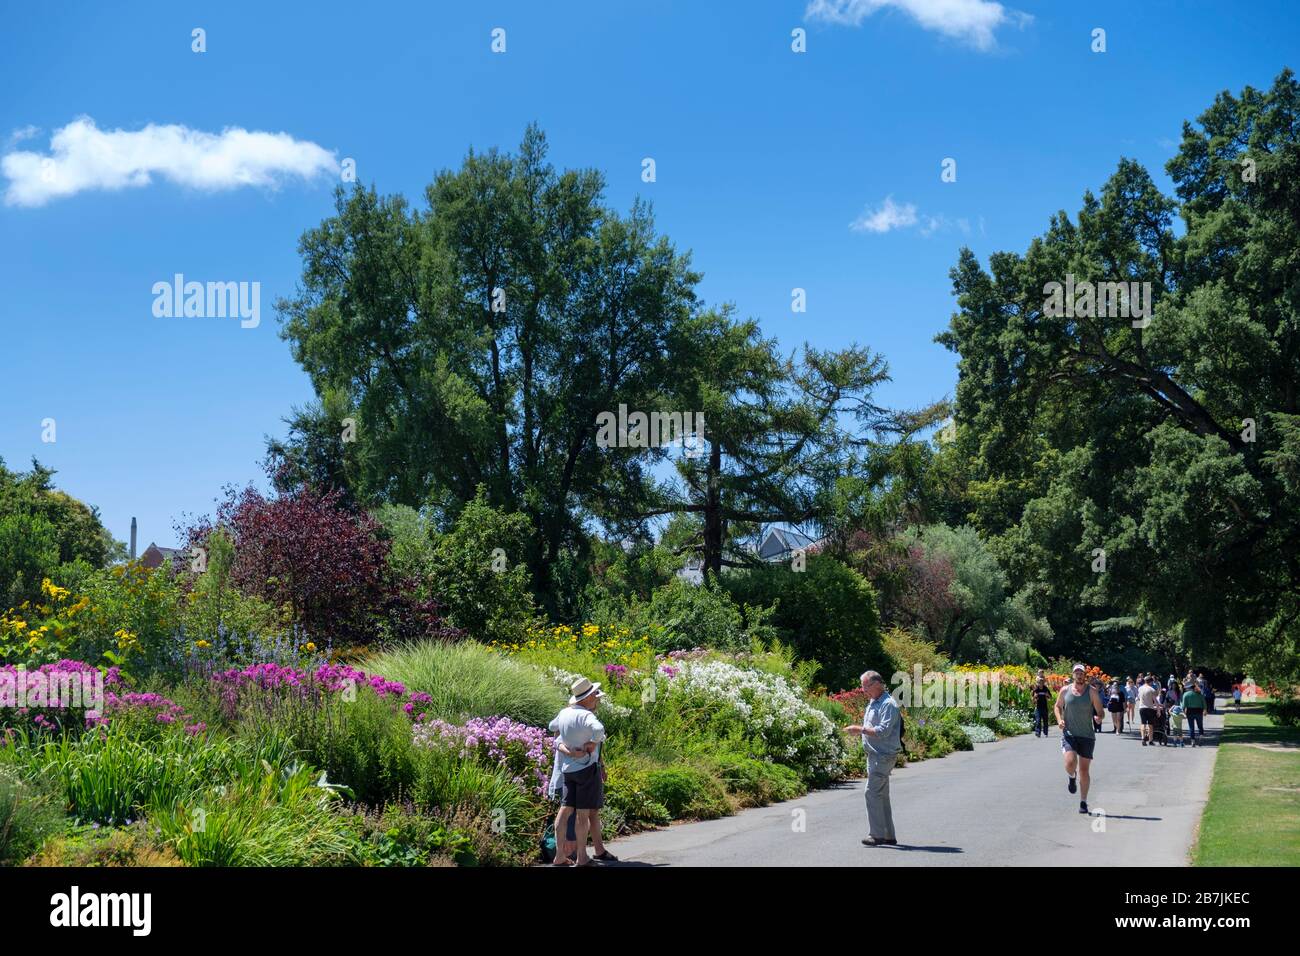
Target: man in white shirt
579, 735
1147, 696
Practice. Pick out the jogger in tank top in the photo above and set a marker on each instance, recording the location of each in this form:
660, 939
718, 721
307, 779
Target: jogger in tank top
1078, 709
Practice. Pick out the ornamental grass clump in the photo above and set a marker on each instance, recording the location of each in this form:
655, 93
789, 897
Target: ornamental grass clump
468, 680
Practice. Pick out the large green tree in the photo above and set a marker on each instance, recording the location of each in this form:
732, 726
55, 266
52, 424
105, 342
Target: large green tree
1150, 470
41, 528
474, 343
779, 433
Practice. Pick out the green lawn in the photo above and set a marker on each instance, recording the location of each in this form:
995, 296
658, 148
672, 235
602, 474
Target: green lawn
1253, 815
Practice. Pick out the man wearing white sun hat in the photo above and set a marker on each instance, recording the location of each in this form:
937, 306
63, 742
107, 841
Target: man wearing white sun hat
579, 735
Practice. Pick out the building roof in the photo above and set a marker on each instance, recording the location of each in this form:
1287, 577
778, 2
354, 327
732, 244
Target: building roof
779, 543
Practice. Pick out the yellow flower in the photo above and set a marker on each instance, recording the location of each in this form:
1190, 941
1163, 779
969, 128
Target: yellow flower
310, 646
202, 644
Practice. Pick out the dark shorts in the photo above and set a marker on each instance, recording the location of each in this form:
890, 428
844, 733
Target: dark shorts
583, 789
1115, 706
1083, 746
1148, 715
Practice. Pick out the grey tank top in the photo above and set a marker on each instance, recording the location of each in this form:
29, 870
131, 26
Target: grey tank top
1078, 712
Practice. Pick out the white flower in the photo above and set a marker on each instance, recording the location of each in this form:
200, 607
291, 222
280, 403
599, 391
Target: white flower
769, 705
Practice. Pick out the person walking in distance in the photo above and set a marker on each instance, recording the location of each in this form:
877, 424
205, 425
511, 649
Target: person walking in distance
1115, 705
1147, 711
1042, 694
1078, 709
881, 730
1194, 708
1130, 700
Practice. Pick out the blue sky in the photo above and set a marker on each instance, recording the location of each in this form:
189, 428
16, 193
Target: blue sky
765, 158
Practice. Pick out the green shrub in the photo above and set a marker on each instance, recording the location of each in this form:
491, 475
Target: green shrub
628, 803
30, 812
855, 760
756, 782
952, 731
681, 616
216, 612
1283, 711
827, 612
402, 835
927, 740
133, 846
833, 709
29, 552
688, 792
479, 572
906, 649
467, 680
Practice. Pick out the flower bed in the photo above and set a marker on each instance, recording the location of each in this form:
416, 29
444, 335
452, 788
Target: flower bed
525, 752
327, 679
768, 706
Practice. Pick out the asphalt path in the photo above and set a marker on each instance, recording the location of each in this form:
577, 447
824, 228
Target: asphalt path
1002, 804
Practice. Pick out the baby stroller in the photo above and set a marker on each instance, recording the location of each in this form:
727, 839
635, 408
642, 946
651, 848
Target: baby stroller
1160, 729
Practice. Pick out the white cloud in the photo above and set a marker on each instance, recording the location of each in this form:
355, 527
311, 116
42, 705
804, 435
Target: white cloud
889, 216
974, 22
942, 223
83, 157
22, 133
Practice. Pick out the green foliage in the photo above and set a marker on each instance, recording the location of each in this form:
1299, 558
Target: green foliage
477, 570
826, 612
907, 649
400, 835
680, 616
215, 611
42, 528
1169, 445
137, 845
111, 777
30, 812
134, 613
629, 806
622, 576
1283, 711
410, 536
466, 395
263, 817
756, 782
468, 680
362, 744
984, 622
485, 798
28, 554
687, 792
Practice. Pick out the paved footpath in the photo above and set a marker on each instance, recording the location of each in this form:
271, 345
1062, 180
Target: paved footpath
1002, 804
